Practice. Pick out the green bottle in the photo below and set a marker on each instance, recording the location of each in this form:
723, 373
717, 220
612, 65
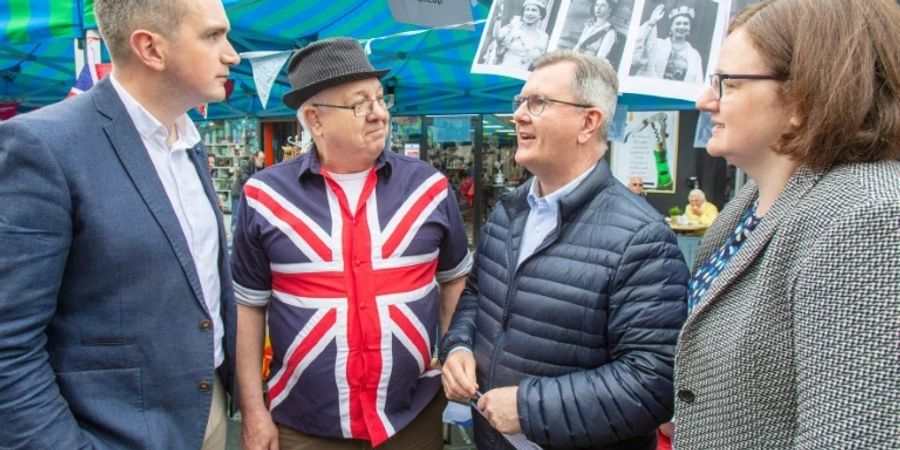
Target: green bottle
663, 174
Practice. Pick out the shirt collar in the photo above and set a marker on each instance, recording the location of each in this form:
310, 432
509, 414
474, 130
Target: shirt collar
312, 165
149, 127
552, 200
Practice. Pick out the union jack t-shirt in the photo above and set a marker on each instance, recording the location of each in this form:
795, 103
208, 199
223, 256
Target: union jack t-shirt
352, 296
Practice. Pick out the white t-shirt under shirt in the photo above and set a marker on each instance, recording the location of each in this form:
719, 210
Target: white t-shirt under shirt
352, 184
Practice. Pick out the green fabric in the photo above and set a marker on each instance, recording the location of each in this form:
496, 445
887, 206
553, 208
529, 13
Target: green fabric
20, 15
25, 21
61, 19
89, 21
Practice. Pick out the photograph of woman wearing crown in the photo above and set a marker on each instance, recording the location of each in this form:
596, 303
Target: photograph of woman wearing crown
597, 27
672, 39
518, 31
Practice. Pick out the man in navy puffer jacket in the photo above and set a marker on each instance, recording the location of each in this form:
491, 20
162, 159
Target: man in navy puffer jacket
569, 319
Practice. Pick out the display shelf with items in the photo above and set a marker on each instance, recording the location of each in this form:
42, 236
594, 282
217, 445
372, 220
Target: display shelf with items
231, 143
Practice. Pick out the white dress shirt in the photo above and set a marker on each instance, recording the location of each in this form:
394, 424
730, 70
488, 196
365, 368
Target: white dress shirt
185, 191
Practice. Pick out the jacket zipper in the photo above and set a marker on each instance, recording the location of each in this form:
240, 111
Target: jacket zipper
511, 290
504, 322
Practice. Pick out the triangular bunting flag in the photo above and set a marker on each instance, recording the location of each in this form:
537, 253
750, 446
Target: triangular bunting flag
266, 67
229, 88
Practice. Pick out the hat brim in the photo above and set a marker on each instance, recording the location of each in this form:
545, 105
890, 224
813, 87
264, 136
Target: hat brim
295, 98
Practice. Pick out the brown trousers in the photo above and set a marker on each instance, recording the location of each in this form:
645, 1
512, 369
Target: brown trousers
425, 432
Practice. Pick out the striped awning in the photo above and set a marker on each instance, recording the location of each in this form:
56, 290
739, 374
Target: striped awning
430, 70
27, 21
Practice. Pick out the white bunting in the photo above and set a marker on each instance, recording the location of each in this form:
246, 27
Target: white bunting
266, 67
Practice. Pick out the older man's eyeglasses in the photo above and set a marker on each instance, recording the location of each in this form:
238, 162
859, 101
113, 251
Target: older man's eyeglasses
363, 108
536, 103
717, 80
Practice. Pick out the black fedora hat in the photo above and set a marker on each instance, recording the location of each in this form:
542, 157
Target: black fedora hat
324, 64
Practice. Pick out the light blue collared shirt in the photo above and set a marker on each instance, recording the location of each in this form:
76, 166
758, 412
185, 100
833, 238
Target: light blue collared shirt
543, 217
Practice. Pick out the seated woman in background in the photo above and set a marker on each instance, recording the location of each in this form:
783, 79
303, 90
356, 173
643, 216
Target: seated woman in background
699, 210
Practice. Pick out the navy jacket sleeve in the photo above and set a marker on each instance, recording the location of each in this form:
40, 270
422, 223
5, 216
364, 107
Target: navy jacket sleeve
633, 394
35, 234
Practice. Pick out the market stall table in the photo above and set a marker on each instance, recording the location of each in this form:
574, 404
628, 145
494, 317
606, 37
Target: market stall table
689, 237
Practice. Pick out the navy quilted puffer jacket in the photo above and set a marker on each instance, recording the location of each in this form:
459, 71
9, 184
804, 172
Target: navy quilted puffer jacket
585, 327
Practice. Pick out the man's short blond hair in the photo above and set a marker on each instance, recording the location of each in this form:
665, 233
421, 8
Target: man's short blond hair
118, 19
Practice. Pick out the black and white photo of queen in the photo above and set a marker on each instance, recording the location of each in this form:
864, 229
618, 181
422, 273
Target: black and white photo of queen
672, 57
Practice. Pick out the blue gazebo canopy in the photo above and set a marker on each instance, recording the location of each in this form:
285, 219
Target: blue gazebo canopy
430, 71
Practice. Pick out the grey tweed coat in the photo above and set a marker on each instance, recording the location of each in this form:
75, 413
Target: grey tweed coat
796, 344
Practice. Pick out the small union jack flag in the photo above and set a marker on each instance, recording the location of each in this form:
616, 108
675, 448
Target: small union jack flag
87, 78
85, 81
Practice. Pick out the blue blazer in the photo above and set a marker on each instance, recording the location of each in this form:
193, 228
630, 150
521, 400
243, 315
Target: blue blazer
105, 339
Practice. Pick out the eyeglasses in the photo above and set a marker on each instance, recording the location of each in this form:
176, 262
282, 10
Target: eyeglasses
363, 108
717, 80
537, 103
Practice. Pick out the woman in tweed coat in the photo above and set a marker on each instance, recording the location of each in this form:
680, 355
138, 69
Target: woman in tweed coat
792, 338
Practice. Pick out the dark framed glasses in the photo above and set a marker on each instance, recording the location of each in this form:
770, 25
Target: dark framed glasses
363, 108
717, 80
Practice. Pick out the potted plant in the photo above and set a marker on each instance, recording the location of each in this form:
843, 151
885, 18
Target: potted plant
675, 212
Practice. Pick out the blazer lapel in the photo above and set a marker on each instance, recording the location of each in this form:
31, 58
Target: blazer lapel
129, 147
800, 183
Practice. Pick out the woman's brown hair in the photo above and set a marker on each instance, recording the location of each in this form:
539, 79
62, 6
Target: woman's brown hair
840, 62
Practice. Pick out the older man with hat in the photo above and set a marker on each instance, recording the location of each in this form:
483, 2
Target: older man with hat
354, 257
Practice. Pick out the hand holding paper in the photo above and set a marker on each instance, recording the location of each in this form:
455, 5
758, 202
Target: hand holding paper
458, 376
514, 438
499, 408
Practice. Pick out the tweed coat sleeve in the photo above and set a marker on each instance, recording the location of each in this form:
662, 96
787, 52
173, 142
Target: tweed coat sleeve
632, 394
846, 332
35, 235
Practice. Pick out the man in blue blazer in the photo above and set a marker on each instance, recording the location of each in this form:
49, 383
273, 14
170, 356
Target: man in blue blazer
116, 309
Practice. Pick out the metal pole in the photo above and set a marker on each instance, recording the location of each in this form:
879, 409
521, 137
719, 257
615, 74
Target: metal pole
423, 139
477, 148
